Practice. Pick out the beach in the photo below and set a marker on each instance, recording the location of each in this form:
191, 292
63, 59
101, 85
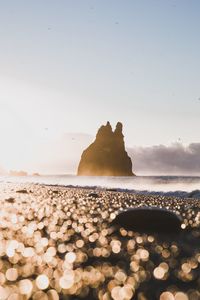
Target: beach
59, 243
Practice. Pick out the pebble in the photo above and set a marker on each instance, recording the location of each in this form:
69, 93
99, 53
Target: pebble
65, 245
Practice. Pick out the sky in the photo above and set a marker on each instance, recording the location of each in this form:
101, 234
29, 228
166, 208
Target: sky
68, 66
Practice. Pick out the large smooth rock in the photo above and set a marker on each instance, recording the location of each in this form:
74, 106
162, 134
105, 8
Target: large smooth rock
106, 156
149, 219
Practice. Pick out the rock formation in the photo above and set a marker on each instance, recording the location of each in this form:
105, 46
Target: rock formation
18, 173
149, 220
106, 156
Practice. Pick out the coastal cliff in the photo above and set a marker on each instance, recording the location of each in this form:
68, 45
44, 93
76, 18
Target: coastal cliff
106, 156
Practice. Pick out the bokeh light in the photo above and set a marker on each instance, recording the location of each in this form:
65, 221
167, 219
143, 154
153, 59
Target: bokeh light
59, 242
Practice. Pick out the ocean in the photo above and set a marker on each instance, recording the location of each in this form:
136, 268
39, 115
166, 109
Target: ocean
180, 186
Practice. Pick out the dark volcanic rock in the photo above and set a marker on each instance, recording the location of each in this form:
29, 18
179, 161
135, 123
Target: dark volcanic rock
149, 219
10, 200
94, 195
106, 156
22, 191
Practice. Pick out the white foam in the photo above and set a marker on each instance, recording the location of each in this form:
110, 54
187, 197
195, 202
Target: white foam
176, 185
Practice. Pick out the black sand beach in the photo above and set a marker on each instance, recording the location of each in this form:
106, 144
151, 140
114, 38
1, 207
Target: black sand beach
59, 243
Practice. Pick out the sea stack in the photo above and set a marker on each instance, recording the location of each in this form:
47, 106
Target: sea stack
106, 156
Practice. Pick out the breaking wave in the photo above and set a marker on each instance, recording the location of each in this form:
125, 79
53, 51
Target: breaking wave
180, 186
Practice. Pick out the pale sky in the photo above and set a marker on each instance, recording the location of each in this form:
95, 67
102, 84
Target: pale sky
69, 66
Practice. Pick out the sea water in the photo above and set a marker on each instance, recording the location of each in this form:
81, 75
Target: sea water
181, 186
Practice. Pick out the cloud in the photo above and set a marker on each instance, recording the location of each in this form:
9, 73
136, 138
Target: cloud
57, 155
61, 155
175, 159
2, 171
